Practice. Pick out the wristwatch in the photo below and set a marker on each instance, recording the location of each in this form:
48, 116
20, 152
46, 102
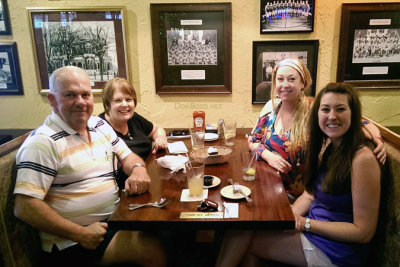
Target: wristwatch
307, 225
137, 165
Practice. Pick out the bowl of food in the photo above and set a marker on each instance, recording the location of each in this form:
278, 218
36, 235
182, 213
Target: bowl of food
211, 155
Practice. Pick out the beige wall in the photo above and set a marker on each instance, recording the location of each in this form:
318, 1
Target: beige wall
29, 110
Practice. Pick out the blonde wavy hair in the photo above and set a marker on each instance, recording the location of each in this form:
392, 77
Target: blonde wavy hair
298, 132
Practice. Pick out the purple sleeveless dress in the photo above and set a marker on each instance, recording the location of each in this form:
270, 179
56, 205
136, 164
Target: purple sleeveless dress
338, 208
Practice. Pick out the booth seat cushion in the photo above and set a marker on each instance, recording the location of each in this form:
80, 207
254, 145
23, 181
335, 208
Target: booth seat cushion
19, 242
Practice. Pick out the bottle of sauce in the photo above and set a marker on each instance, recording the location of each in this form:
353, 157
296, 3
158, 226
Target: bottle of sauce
199, 120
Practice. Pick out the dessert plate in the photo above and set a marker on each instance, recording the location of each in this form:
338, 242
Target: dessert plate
216, 181
227, 192
210, 136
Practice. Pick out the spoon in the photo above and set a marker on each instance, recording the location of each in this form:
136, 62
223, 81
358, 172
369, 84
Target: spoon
157, 204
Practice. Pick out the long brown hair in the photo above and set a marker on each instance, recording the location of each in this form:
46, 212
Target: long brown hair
338, 162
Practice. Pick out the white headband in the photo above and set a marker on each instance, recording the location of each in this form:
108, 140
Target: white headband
294, 63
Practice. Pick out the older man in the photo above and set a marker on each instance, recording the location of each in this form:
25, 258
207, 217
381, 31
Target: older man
65, 185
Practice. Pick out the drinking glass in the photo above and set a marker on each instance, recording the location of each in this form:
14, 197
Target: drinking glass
248, 165
197, 137
195, 177
229, 132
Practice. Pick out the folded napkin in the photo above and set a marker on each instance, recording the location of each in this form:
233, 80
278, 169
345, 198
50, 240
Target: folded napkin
177, 147
175, 163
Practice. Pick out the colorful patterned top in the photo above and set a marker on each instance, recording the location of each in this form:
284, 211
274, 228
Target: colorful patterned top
264, 133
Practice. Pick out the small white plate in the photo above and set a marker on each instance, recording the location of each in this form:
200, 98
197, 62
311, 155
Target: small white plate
211, 137
216, 181
227, 192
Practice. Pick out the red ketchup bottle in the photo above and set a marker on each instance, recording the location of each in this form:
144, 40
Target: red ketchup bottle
199, 120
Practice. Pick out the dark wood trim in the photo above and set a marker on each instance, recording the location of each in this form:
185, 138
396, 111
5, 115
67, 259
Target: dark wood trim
13, 144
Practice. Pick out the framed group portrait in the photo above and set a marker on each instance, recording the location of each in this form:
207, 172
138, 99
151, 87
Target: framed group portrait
90, 38
286, 16
192, 47
266, 55
5, 28
10, 75
369, 46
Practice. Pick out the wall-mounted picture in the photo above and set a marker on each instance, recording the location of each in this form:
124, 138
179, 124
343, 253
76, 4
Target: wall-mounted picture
369, 46
286, 16
10, 75
89, 38
266, 55
5, 28
192, 47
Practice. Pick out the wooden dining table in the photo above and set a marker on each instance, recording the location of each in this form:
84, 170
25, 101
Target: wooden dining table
269, 209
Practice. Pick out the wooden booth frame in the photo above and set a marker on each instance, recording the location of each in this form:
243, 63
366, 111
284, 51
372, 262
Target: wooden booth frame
267, 53
10, 74
286, 16
192, 47
87, 37
369, 46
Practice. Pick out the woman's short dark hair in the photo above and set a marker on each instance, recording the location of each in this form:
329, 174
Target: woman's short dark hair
111, 86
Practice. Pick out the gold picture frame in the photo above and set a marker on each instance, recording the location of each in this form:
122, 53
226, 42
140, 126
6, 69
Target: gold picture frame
87, 37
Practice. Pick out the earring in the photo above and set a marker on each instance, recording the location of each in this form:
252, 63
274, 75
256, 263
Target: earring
301, 95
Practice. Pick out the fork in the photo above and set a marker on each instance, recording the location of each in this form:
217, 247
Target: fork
237, 189
156, 204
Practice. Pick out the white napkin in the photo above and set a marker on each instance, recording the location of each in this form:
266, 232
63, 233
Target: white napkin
186, 197
177, 147
231, 210
175, 163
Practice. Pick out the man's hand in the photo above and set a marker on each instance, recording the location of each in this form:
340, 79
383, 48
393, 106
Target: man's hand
92, 235
138, 182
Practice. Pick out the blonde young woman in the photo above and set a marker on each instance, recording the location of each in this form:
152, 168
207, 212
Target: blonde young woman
281, 133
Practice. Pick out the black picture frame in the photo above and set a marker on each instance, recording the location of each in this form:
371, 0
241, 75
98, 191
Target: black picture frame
89, 38
192, 48
369, 46
267, 53
5, 28
10, 74
286, 16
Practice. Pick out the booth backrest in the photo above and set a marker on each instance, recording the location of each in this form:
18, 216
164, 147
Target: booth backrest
19, 242
386, 244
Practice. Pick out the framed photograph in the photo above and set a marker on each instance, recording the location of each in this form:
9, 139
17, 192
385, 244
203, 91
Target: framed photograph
192, 47
266, 54
89, 38
369, 45
10, 75
5, 28
286, 16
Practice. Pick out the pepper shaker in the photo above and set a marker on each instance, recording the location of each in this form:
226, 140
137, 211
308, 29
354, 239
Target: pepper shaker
220, 128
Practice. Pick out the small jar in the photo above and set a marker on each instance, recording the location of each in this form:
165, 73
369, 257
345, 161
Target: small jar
199, 120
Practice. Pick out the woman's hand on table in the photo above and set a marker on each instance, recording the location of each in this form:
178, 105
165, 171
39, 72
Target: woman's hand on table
160, 142
300, 222
276, 161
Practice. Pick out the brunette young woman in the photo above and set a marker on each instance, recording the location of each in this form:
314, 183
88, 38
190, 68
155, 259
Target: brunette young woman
336, 216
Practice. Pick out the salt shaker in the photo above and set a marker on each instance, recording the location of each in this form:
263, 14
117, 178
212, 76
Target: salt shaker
220, 128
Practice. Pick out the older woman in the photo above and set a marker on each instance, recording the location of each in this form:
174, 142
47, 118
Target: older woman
119, 101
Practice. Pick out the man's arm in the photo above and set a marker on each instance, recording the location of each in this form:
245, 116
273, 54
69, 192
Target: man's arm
37, 213
138, 181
